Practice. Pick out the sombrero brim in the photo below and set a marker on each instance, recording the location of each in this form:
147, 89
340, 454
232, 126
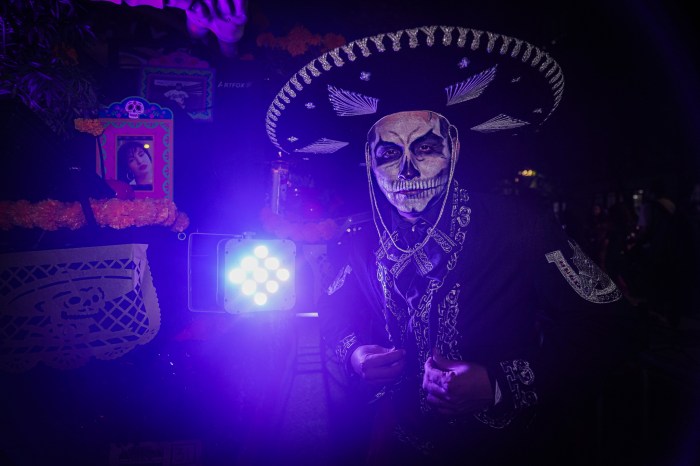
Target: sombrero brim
481, 81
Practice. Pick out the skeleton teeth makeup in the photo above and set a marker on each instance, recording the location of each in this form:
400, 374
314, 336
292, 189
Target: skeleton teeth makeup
423, 186
410, 156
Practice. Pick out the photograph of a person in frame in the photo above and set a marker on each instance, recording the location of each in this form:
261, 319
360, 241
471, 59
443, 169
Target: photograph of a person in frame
135, 165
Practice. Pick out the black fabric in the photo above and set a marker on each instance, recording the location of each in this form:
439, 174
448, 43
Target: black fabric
515, 310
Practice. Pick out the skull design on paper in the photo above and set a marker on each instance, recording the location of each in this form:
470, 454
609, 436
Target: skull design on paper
134, 108
64, 307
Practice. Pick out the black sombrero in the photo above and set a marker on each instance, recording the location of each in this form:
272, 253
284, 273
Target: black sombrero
483, 82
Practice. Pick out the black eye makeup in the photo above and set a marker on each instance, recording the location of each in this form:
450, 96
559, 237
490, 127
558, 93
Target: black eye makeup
429, 144
386, 152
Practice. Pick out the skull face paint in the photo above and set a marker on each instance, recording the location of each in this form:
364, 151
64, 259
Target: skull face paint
410, 154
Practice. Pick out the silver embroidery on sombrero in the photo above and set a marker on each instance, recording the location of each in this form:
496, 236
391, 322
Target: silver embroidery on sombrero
395, 39
304, 75
378, 42
288, 89
412, 37
349, 52
448, 36
499, 123
470, 88
429, 34
295, 82
311, 66
590, 282
283, 96
322, 146
348, 103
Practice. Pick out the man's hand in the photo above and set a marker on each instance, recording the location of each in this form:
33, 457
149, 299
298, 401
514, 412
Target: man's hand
455, 387
378, 365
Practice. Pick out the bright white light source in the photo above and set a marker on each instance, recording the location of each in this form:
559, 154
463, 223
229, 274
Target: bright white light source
272, 263
260, 299
236, 276
261, 251
282, 274
260, 275
249, 263
249, 287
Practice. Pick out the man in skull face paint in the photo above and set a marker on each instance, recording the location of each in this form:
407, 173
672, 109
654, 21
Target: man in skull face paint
412, 157
411, 160
476, 320
467, 322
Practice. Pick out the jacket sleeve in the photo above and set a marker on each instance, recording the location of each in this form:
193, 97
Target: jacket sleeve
349, 308
586, 327
583, 328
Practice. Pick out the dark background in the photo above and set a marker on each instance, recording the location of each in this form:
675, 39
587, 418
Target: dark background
628, 121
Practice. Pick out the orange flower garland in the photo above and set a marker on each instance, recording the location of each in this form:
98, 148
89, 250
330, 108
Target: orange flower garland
300, 40
90, 126
113, 213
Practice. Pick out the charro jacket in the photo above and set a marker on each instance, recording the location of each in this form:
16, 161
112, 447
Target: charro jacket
498, 283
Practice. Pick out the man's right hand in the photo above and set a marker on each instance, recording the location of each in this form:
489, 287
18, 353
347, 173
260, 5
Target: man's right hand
378, 365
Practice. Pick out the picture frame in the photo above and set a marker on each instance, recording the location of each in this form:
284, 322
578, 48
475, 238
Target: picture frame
187, 89
136, 147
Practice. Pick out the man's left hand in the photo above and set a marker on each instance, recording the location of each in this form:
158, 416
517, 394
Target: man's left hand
455, 387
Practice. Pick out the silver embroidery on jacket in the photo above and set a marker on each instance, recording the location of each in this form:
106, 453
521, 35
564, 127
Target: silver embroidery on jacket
409, 323
397, 335
591, 283
495, 421
447, 318
520, 377
339, 280
341, 350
